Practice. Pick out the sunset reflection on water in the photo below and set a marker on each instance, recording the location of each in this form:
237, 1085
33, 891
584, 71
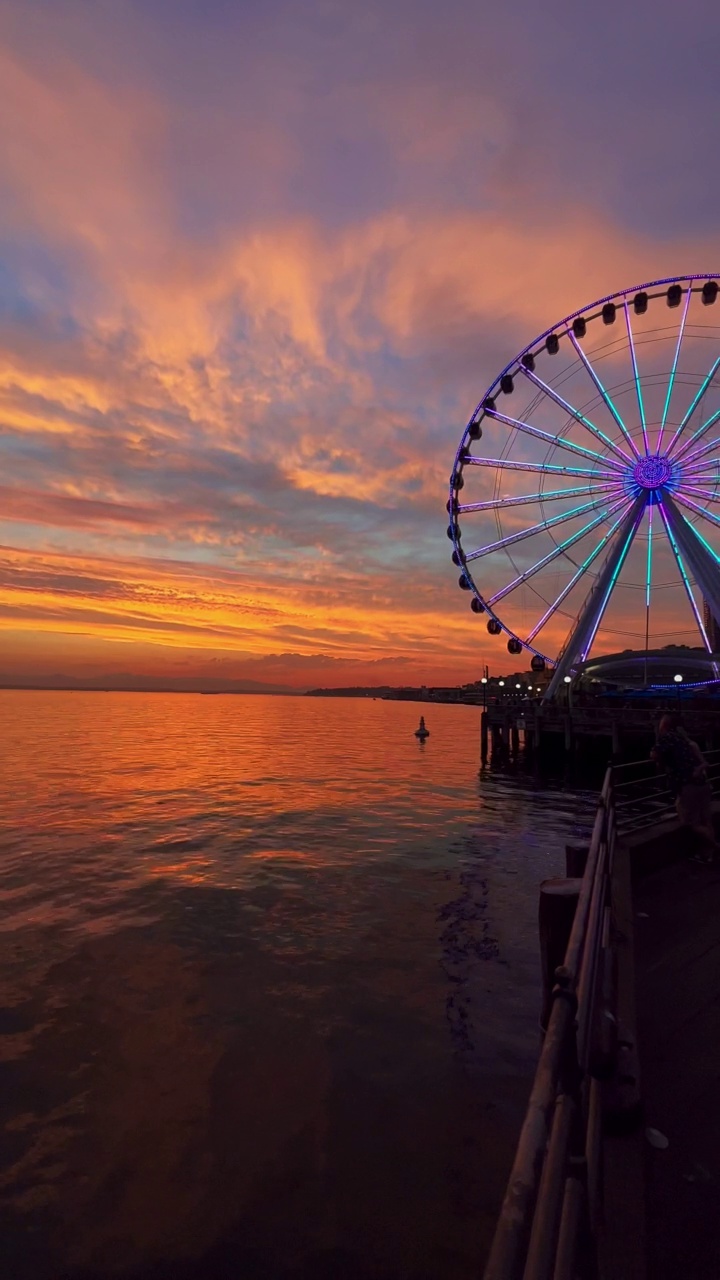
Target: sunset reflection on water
269, 985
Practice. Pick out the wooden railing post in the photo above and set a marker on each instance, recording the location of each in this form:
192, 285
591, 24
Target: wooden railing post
556, 912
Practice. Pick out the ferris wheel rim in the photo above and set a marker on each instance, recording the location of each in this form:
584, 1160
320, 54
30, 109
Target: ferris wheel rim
614, 466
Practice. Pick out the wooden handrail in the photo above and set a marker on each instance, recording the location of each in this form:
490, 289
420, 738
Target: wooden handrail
546, 1201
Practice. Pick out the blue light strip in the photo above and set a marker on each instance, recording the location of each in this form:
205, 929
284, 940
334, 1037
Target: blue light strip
638, 388
611, 585
575, 413
560, 548
608, 401
686, 580
700, 432
703, 388
706, 544
710, 495
674, 370
578, 575
558, 441
686, 684
702, 469
535, 528
648, 574
701, 511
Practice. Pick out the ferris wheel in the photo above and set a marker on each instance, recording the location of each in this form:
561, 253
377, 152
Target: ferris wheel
591, 511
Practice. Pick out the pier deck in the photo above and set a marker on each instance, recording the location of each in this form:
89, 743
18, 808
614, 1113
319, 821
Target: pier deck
677, 955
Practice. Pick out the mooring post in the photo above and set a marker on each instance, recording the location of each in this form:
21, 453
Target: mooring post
484, 737
576, 856
556, 912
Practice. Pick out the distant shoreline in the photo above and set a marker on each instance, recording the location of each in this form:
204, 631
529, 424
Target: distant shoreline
447, 696
87, 688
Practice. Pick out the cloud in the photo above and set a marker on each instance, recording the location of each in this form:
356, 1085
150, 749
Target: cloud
258, 267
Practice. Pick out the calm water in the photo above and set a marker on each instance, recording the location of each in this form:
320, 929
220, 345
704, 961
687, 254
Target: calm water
269, 987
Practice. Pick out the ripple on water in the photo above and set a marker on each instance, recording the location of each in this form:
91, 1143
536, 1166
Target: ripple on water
269, 985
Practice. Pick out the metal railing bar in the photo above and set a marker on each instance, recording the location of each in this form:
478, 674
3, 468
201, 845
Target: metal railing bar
569, 1226
546, 1222
514, 1222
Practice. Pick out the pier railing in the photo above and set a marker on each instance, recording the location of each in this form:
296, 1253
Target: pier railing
642, 796
550, 1212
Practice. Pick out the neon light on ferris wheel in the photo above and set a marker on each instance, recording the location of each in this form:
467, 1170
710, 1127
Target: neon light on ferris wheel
639, 459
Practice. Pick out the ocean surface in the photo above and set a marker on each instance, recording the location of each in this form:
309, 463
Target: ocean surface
269, 985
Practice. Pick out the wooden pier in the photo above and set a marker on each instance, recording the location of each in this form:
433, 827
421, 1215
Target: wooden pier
617, 1169
534, 729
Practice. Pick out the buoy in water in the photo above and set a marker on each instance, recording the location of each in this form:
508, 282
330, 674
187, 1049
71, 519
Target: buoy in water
421, 732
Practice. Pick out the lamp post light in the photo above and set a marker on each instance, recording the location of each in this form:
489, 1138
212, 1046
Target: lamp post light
484, 682
678, 681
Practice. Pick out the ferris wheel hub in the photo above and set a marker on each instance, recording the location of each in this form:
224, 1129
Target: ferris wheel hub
653, 471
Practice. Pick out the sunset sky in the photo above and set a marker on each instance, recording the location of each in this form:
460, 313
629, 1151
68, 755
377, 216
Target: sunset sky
259, 261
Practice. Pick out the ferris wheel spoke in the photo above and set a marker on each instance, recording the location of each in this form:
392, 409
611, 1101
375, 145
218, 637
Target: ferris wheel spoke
710, 495
577, 575
693, 506
558, 441
696, 437
534, 529
607, 400
671, 380
607, 591
582, 636
553, 495
705, 449
636, 376
648, 578
576, 414
702, 470
688, 415
538, 467
624, 502
685, 579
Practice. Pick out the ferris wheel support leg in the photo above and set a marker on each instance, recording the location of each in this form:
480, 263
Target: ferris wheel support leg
590, 617
703, 566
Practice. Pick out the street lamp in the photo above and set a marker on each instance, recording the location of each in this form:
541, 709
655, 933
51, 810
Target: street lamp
483, 681
678, 681
568, 679
501, 684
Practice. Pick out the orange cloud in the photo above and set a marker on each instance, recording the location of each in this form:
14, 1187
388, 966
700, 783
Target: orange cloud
279, 400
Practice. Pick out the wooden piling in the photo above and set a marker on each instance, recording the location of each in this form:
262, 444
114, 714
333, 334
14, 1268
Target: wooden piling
484, 737
576, 856
556, 912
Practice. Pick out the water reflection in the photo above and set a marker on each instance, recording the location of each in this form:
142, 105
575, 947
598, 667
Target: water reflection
269, 986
